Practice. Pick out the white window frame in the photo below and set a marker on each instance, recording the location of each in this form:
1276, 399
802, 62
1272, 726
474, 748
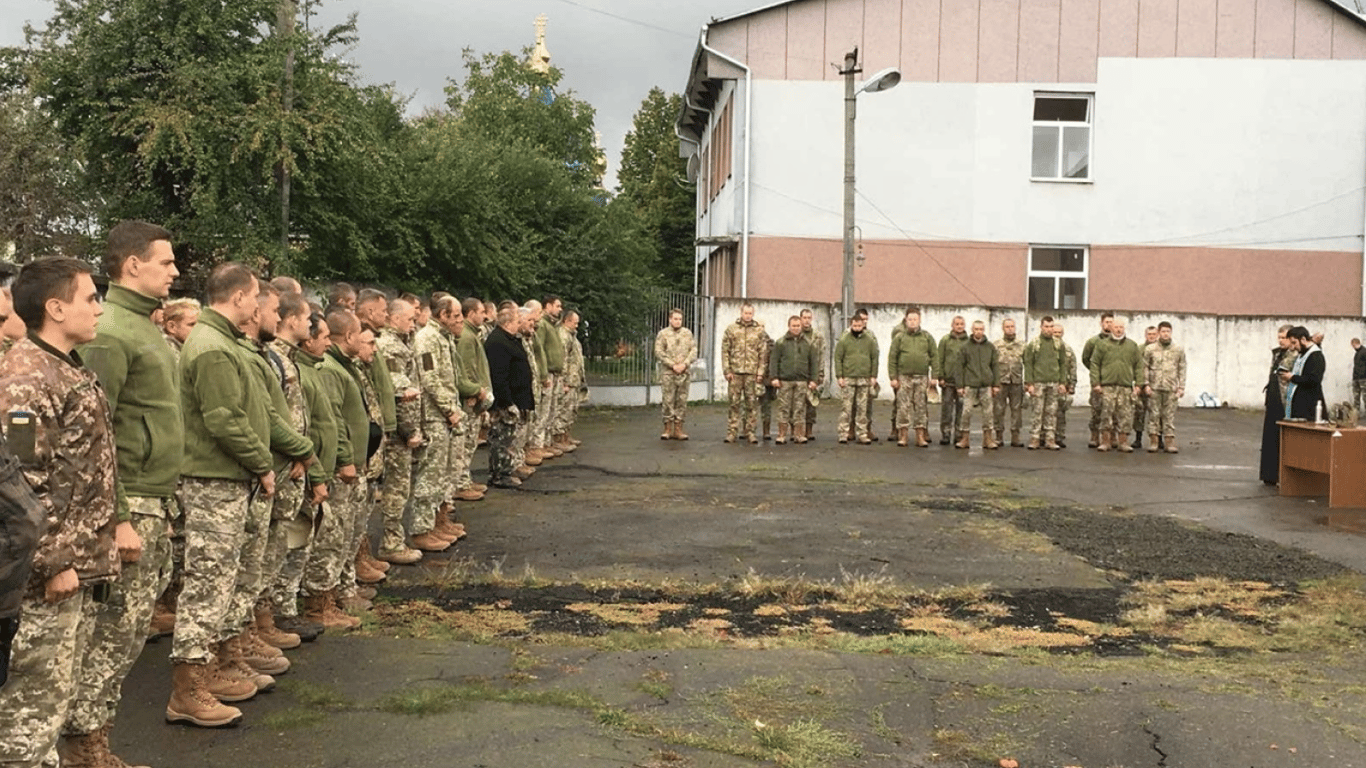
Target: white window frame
1058, 275
1090, 126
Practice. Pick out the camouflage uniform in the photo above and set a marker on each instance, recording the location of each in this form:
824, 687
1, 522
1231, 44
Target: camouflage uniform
793, 364
1069, 359
910, 361
357, 496
744, 358
1359, 380
396, 352
1165, 366
1096, 405
813, 396
856, 365
59, 426
434, 350
1009, 405
572, 391
951, 404
1117, 367
977, 371
675, 348
527, 420
1045, 369
289, 496
472, 372
511, 382
550, 352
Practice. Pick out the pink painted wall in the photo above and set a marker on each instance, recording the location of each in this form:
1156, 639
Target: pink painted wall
1036, 41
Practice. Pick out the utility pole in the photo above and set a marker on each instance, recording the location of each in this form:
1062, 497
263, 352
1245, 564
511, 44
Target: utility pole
851, 68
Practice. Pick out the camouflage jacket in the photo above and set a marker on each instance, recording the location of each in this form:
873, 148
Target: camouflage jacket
434, 349
817, 343
397, 354
1166, 366
674, 347
744, 348
1010, 358
573, 359
1069, 364
57, 423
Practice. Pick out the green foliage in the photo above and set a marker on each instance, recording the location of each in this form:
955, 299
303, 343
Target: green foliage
654, 179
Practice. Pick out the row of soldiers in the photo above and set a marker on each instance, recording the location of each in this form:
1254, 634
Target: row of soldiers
217, 467
1133, 387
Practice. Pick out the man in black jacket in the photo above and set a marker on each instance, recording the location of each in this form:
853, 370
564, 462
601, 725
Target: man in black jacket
1359, 377
510, 377
1304, 384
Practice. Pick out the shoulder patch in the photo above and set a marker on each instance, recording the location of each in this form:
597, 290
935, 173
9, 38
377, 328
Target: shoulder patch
428, 362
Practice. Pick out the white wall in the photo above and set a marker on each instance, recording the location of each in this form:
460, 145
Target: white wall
1257, 153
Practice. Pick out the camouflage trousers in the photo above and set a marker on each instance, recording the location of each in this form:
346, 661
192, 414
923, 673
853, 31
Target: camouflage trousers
215, 531
792, 403
975, 398
284, 592
353, 509
1162, 413
121, 622
285, 507
398, 484
854, 408
43, 667
1044, 404
1116, 409
1065, 400
1008, 408
433, 485
912, 402
327, 551
744, 403
251, 575
950, 411
464, 442
1096, 407
813, 404
566, 407
176, 582
503, 428
1142, 412
674, 388
545, 412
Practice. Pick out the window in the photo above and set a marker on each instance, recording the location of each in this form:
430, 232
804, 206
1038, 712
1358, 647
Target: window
1057, 277
1062, 137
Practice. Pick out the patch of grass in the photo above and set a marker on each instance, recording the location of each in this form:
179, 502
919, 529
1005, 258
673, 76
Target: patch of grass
878, 722
867, 589
315, 696
806, 744
953, 744
437, 700
294, 717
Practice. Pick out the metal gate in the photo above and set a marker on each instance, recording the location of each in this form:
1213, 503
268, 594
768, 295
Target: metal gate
632, 362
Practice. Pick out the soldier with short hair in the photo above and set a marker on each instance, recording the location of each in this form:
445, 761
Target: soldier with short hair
1142, 403
1165, 371
1069, 390
1117, 375
1045, 371
744, 359
550, 365
911, 360
792, 371
341, 295
473, 387
951, 404
856, 356
1096, 401
1009, 404
813, 396
443, 423
675, 350
977, 371
396, 353
572, 384
57, 422
1359, 377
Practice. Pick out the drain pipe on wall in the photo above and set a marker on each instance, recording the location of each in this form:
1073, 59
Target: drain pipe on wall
749, 124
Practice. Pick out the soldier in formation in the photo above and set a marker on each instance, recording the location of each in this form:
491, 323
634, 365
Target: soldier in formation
744, 360
676, 351
792, 371
856, 357
1165, 372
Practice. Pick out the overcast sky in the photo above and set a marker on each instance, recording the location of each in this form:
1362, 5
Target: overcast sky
612, 51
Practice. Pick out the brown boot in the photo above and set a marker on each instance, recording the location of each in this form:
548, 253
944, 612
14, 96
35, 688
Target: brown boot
480, 487
163, 621
903, 436
922, 437
468, 494
782, 435
322, 609
1095, 439
562, 443
1103, 441
679, 434
989, 440
1052, 445
1170, 443
678, 426
338, 607
532, 459
111, 760
523, 472
1152, 443
192, 703
230, 679
261, 656
401, 556
366, 549
445, 529
962, 440
430, 542
1033, 444
273, 635
365, 574
668, 433
1015, 439
82, 750
799, 433
551, 452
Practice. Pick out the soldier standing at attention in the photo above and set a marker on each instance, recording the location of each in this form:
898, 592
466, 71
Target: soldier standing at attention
1086, 351
676, 350
744, 359
442, 417
813, 396
1069, 379
1142, 403
573, 384
856, 357
180, 316
395, 350
1045, 366
1117, 375
951, 406
978, 375
911, 360
1009, 405
550, 360
57, 422
1165, 364
792, 371
512, 382
473, 388
141, 381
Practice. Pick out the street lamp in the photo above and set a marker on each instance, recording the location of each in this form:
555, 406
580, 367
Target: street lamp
884, 80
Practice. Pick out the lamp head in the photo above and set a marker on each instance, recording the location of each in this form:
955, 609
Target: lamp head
882, 81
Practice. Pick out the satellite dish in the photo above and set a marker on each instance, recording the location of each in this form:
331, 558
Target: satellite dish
694, 165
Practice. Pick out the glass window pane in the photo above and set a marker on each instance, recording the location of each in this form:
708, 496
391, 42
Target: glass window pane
1045, 259
1070, 109
1073, 290
1076, 152
1041, 293
1045, 162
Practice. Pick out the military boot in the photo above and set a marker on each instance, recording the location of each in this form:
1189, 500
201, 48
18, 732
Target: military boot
370, 559
322, 609
768, 433
679, 434
962, 440
532, 459
192, 703
523, 472
781, 439
430, 542
989, 440
163, 621
111, 760
1170, 445
1123, 445
1095, 439
562, 443
944, 438
262, 657
1015, 441
1152, 443
364, 573
81, 750
903, 436
1103, 441
1138, 440
668, 433
1033, 444
308, 631
799, 432
922, 437
271, 634
230, 677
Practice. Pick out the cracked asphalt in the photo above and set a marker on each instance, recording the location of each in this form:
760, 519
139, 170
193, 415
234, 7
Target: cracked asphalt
629, 507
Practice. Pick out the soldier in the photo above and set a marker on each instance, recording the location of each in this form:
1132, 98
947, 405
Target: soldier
396, 351
813, 399
550, 363
365, 569
744, 359
676, 350
978, 374
768, 394
341, 295
856, 357
910, 360
1359, 377
512, 383
141, 381
1086, 350
473, 388
792, 371
530, 321
951, 406
490, 321
180, 317
1117, 375
567, 410
435, 351
1165, 365
58, 424
227, 464
1045, 365
1142, 402
1066, 392
1009, 405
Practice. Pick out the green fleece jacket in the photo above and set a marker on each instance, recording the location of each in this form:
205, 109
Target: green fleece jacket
226, 410
286, 444
472, 357
348, 408
792, 359
1117, 363
949, 347
856, 355
322, 424
1045, 361
384, 390
912, 354
976, 364
549, 346
139, 373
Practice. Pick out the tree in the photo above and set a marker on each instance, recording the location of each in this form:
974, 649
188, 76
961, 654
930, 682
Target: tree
654, 178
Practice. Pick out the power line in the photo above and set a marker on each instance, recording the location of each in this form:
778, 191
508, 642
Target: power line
627, 19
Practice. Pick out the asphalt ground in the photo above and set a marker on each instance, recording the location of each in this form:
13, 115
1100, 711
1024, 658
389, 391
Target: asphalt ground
658, 603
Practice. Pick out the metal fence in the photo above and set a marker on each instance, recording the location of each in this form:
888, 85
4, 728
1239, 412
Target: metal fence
631, 361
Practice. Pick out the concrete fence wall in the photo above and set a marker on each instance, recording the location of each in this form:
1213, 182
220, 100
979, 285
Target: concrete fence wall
1227, 357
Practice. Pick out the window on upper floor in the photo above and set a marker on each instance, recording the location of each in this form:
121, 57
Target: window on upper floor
1062, 137
1057, 277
